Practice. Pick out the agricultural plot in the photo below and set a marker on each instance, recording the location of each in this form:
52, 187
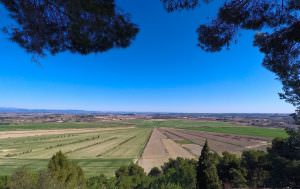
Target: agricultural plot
66, 125
96, 150
209, 126
168, 143
103, 147
218, 142
159, 150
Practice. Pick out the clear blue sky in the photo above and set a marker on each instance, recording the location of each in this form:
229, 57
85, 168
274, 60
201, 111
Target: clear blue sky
163, 70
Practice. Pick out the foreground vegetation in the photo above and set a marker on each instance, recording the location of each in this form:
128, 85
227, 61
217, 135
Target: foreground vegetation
277, 168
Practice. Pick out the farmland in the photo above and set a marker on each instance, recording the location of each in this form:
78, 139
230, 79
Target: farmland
97, 150
210, 126
102, 147
168, 143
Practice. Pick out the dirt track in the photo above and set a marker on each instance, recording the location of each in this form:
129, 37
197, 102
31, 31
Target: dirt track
18, 134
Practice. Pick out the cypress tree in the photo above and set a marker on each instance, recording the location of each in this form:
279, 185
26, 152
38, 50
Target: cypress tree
207, 175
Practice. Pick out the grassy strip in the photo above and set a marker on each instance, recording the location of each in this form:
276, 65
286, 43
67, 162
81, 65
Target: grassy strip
18, 154
184, 141
117, 146
35, 139
94, 144
91, 167
177, 123
67, 125
144, 146
74, 142
248, 131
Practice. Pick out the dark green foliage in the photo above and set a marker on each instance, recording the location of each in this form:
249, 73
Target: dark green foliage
277, 24
78, 26
100, 182
181, 172
3, 182
296, 116
280, 44
231, 171
172, 5
131, 176
155, 172
170, 186
285, 161
289, 147
22, 178
45, 181
207, 176
257, 165
64, 173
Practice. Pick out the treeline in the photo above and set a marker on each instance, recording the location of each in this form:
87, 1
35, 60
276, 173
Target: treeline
279, 167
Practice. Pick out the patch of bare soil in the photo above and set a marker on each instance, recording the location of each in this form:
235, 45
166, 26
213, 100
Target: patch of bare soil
159, 150
195, 149
220, 142
175, 150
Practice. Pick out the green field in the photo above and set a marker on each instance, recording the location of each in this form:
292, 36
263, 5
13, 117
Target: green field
209, 126
91, 167
178, 123
213, 126
97, 152
102, 151
66, 125
243, 130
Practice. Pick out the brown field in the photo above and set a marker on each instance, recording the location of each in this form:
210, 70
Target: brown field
166, 143
160, 149
220, 142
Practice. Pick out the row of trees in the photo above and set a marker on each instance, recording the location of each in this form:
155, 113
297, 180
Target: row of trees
279, 167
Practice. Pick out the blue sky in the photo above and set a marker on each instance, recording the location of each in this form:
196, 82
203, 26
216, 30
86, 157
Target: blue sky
163, 70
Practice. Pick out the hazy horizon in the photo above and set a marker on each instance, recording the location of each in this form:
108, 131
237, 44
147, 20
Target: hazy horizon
12, 109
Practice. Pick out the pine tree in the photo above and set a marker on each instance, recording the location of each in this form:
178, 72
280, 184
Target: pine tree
64, 173
207, 176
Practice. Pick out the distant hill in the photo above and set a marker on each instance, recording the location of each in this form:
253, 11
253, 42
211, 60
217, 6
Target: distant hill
45, 111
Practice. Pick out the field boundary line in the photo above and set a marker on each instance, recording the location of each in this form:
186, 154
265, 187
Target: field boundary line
145, 144
95, 137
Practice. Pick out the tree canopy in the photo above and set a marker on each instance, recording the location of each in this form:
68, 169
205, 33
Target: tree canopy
77, 26
207, 176
277, 26
64, 173
92, 26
